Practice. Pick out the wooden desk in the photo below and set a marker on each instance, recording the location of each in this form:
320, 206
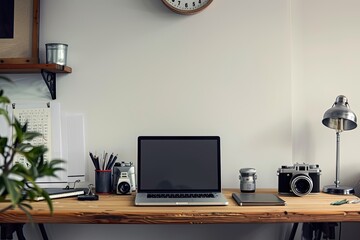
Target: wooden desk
117, 209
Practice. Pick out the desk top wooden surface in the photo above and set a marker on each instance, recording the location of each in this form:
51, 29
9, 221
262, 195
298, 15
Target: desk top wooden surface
119, 209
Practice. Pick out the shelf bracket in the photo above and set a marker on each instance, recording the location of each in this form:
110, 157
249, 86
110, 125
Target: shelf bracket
50, 80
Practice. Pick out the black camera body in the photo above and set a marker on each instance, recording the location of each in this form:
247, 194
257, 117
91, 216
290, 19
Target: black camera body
299, 179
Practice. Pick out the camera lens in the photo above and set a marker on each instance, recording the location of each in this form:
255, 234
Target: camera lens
124, 187
301, 185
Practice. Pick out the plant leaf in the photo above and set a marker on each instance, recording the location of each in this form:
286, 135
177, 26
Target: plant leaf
17, 181
6, 208
5, 114
24, 207
28, 136
11, 187
3, 143
5, 78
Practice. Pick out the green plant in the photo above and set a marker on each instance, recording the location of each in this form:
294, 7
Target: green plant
17, 182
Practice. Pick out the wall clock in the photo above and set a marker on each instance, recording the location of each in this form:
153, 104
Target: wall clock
187, 7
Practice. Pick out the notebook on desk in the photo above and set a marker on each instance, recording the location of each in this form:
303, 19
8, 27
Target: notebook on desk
258, 199
179, 171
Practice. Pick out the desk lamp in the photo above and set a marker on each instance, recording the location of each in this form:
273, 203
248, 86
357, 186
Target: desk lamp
340, 118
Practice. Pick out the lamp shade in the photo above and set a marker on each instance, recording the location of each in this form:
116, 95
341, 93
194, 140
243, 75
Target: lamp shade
339, 116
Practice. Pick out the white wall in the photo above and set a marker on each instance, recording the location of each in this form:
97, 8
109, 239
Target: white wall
258, 73
326, 58
139, 69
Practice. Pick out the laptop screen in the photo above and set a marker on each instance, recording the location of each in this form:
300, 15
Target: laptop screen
179, 164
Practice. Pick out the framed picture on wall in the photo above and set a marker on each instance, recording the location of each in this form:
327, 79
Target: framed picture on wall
19, 31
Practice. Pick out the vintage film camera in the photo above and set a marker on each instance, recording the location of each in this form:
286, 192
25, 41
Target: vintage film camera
124, 178
299, 179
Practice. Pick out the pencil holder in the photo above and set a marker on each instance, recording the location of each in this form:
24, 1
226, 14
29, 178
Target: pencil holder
103, 181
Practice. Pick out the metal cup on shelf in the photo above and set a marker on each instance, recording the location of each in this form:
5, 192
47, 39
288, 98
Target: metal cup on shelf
56, 53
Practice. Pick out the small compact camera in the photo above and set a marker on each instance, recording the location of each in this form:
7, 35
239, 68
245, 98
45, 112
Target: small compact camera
299, 179
124, 178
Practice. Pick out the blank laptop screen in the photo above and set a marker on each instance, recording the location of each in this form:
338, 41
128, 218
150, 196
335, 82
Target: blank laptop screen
178, 164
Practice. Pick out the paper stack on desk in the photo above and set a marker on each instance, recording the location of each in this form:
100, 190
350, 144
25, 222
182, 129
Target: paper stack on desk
62, 192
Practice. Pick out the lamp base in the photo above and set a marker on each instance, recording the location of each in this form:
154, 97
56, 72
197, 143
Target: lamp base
340, 190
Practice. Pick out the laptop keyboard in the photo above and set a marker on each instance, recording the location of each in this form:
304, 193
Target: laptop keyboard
180, 195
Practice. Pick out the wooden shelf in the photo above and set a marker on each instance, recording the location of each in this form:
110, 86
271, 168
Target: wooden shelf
48, 72
34, 68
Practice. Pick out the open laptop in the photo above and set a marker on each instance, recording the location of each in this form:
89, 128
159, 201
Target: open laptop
181, 170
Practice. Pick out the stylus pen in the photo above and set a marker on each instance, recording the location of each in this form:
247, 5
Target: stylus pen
93, 160
97, 163
104, 160
113, 162
109, 162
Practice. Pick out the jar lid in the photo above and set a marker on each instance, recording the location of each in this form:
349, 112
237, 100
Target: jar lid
250, 171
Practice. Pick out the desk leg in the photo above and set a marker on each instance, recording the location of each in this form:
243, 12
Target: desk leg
43, 231
8, 229
318, 230
293, 231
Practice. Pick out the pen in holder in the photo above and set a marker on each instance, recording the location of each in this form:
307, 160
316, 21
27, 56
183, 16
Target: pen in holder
103, 181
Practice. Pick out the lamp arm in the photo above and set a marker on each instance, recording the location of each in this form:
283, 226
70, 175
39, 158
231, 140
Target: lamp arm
337, 182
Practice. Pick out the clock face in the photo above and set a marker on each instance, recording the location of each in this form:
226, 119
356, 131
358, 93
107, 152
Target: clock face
187, 6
